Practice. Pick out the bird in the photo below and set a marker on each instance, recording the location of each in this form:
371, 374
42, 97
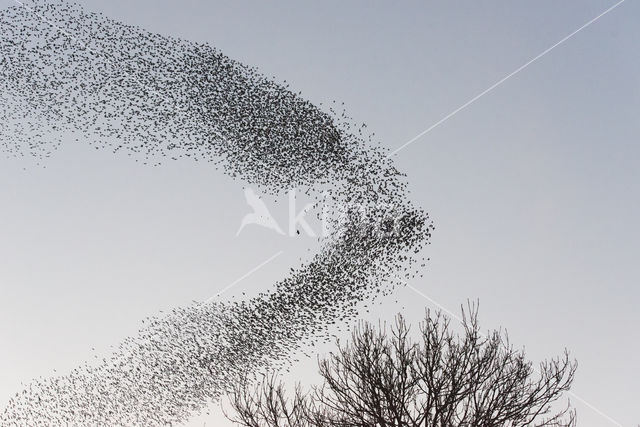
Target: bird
153, 98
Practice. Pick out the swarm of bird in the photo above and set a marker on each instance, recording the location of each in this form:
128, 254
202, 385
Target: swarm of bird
68, 74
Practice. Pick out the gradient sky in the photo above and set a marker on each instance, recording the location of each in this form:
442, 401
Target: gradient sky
534, 189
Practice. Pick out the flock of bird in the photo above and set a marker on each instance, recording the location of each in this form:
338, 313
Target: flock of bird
68, 74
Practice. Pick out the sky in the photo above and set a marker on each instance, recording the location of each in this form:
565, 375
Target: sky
534, 188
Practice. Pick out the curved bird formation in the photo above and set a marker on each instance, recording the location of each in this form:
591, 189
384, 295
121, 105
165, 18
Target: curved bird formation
66, 73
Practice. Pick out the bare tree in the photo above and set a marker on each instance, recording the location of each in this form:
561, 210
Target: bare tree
444, 379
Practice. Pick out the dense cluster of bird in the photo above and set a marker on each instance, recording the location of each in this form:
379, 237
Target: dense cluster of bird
66, 73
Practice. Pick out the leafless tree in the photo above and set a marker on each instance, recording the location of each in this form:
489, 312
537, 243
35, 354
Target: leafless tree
443, 379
